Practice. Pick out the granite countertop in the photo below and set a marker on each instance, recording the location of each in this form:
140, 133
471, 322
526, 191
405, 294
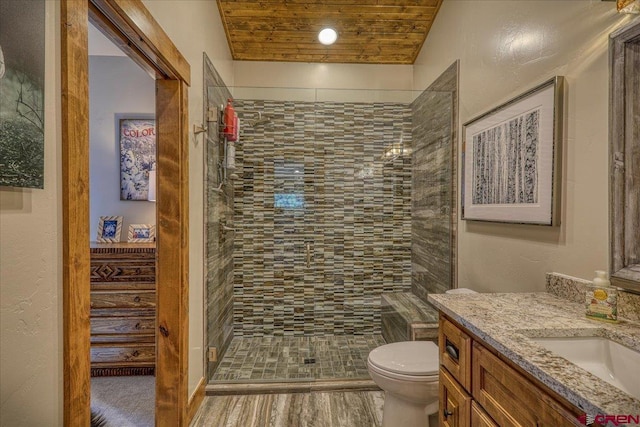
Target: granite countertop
506, 321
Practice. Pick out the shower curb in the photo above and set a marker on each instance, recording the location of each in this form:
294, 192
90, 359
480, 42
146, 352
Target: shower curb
295, 386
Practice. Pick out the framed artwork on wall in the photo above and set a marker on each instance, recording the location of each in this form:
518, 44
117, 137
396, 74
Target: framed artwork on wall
22, 77
109, 229
141, 233
511, 159
137, 138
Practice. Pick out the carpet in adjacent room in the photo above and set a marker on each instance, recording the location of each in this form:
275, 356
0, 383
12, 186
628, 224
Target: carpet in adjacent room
126, 401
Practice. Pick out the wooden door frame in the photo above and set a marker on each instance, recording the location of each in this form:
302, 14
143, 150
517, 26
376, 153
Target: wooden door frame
128, 23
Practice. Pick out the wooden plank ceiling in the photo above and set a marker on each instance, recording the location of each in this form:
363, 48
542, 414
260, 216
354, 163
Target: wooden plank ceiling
369, 31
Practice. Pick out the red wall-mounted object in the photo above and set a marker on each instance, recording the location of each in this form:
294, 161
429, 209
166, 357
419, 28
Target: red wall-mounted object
229, 120
236, 128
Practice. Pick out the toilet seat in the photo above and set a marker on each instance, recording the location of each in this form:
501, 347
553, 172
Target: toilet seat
403, 377
407, 360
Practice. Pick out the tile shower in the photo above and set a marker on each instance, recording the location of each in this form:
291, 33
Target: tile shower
323, 215
313, 225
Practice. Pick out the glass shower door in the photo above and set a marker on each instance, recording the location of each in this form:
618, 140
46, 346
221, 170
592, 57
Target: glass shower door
322, 209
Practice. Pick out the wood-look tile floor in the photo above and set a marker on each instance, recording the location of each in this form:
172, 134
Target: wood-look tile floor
315, 409
285, 358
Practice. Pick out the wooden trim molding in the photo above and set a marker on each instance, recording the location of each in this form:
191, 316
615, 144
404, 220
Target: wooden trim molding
112, 32
173, 251
75, 212
624, 157
196, 399
135, 23
143, 31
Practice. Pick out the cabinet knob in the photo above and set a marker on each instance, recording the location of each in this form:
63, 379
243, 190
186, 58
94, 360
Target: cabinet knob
446, 413
136, 299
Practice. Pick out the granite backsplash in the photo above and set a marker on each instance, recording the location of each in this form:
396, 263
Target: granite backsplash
573, 289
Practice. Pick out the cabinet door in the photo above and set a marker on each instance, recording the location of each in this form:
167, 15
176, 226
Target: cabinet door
510, 398
479, 418
123, 270
455, 402
455, 352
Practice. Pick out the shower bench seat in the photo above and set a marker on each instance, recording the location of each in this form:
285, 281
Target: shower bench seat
405, 317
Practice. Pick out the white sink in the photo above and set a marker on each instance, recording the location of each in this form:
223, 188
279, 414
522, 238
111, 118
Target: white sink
612, 362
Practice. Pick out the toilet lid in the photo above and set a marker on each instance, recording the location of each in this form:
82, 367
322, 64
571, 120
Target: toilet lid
407, 357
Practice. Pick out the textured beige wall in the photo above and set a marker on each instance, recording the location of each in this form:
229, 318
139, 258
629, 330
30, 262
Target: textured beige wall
195, 27
31, 241
505, 48
31, 275
332, 76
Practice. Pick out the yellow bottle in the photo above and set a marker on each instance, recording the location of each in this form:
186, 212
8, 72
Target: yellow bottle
602, 299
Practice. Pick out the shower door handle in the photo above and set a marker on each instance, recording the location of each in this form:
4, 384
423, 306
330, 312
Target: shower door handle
308, 246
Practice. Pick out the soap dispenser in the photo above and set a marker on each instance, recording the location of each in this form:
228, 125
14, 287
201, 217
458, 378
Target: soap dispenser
602, 299
601, 279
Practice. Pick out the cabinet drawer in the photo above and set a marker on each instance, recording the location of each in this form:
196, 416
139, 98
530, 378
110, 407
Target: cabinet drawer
455, 352
123, 299
511, 399
123, 325
129, 273
455, 402
479, 418
124, 339
123, 354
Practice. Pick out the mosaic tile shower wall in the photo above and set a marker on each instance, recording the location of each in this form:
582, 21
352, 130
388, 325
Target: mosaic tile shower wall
434, 212
323, 216
219, 245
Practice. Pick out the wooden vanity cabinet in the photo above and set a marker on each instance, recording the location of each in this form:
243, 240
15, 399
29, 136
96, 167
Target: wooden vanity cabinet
455, 352
497, 393
455, 402
123, 309
479, 418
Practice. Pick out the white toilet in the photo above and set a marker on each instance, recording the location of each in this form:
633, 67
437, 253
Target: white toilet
407, 371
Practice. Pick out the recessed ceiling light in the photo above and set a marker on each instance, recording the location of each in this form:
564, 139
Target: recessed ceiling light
328, 36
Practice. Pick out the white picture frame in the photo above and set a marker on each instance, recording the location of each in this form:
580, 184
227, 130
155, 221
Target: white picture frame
141, 233
511, 159
109, 229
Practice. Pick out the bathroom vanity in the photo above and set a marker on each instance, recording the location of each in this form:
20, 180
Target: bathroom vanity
496, 370
123, 308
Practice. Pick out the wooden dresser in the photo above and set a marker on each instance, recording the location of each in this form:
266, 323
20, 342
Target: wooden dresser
123, 308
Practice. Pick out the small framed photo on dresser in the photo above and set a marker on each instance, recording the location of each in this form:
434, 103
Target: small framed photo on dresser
141, 233
109, 229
